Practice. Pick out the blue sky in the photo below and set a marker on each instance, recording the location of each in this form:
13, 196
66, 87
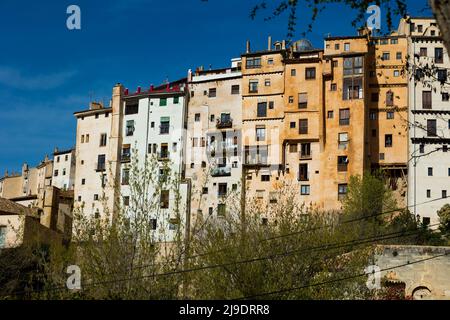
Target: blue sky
48, 72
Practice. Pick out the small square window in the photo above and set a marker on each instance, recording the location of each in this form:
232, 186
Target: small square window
333, 87
330, 114
293, 72
305, 190
430, 171
292, 124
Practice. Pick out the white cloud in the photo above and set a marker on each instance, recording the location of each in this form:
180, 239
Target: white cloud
14, 78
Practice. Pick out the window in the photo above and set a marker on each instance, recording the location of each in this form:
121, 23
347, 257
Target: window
126, 200
95, 197
423, 52
388, 140
270, 61
445, 96
176, 100
56, 173
163, 102
426, 100
389, 98
64, 171
439, 55
164, 126
253, 62
344, 117
83, 181
260, 133
430, 171
291, 99
82, 138
343, 140
346, 46
267, 82
385, 56
419, 28
431, 128
302, 100
399, 56
292, 124
2, 236
342, 163
336, 46
131, 108
57, 159
428, 193
262, 109
333, 87
129, 128
394, 41
293, 72
212, 92
101, 162
205, 190
396, 73
303, 172
265, 177
221, 209
164, 199
305, 150
305, 190
125, 177
222, 191
253, 86
153, 224
390, 115
444, 193
422, 148
103, 138
330, 114
384, 41
303, 126
310, 73
271, 104
293, 148
235, 89
442, 75
87, 138
335, 63
342, 191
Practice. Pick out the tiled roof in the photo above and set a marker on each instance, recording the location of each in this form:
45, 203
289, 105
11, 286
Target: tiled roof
10, 207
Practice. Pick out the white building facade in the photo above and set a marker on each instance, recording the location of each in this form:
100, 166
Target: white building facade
429, 120
64, 169
153, 138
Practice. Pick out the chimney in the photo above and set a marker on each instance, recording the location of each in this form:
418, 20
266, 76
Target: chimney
6, 173
269, 43
248, 47
283, 45
189, 76
95, 105
55, 150
138, 89
125, 93
24, 169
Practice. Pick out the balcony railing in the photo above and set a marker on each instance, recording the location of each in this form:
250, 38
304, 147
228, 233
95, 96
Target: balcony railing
224, 123
125, 157
258, 161
342, 167
163, 156
304, 155
221, 172
100, 166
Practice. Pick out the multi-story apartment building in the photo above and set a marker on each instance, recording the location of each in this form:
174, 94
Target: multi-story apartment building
64, 169
429, 118
94, 130
387, 99
214, 140
263, 88
303, 120
154, 125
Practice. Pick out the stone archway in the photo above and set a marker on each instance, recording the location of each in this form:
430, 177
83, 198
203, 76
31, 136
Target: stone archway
421, 293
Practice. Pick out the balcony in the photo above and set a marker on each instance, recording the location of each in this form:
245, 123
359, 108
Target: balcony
224, 123
221, 172
163, 156
256, 162
125, 157
100, 166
